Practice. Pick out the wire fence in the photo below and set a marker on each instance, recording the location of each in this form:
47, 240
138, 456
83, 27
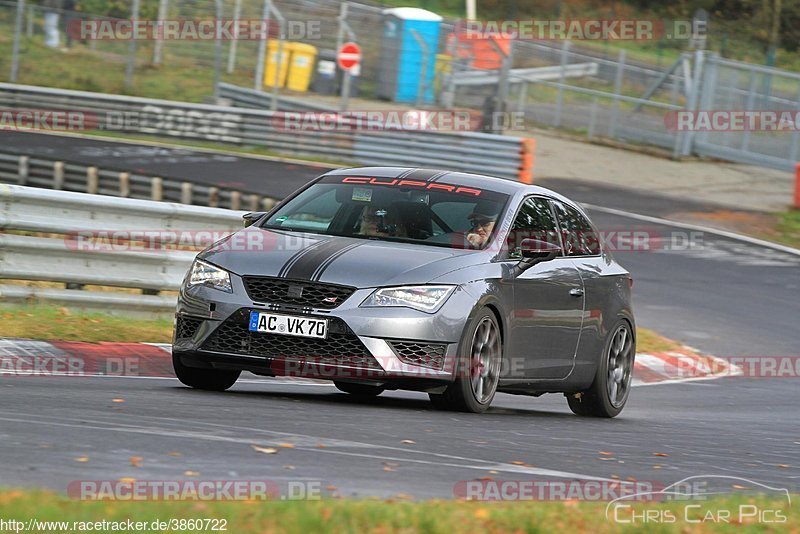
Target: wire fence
594, 90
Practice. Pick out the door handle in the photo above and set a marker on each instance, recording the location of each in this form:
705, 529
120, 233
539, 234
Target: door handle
576, 292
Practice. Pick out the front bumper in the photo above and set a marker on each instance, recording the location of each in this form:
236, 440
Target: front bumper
378, 345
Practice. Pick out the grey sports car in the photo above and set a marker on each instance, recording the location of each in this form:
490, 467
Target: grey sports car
385, 278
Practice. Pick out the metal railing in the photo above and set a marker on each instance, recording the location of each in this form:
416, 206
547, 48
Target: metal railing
93, 240
49, 173
490, 154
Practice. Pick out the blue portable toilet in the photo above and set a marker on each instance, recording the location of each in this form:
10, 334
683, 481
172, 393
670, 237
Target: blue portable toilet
400, 65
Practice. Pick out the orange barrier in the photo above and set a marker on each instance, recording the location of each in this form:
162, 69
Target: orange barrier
527, 152
797, 186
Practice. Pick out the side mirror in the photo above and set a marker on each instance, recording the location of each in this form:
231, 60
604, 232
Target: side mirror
533, 249
533, 252
252, 217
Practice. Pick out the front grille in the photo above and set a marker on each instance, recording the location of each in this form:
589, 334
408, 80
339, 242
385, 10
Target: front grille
341, 348
186, 327
296, 292
429, 355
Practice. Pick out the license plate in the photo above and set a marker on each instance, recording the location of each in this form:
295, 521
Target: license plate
288, 325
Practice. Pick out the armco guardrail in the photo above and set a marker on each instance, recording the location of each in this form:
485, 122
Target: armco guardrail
101, 241
464, 151
48, 173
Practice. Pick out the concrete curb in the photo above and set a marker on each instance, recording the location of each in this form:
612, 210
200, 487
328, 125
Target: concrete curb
26, 357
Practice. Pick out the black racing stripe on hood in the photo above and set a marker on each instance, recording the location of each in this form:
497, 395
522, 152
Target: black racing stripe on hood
325, 264
423, 175
305, 266
293, 259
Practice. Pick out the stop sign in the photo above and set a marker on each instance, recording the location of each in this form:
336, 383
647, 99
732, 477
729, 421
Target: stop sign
349, 56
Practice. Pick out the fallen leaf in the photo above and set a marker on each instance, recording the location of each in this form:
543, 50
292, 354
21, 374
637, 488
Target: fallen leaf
408, 442
191, 473
174, 453
64, 311
737, 486
127, 480
265, 450
783, 466
286, 445
481, 513
289, 467
486, 478
615, 477
82, 459
117, 400
493, 472
136, 461
387, 468
656, 467
518, 462
404, 496
330, 487
321, 446
660, 454
605, 453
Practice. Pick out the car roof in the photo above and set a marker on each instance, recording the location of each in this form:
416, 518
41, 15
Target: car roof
493, 183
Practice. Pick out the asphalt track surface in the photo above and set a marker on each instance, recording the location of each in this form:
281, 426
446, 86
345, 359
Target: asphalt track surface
724, 297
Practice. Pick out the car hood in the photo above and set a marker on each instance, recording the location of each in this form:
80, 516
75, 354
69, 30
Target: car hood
355, 262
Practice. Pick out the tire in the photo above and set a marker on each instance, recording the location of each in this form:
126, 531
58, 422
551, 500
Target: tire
480, 358
363, 391
206, 379
612, 382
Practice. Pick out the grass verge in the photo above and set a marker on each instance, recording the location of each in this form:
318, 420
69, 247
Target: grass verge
787, 230
60, 323
393, 515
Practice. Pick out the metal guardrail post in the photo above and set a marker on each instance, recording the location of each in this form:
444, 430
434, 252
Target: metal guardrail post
58, 175
236, 200
562, 77
156, 188
213, 197
17, 37
23, 170
158, 45
254, 201
267, 204
92, 182
131, 49
237, 13
592, 119
422, 85
186, 193
124, 184
620, 75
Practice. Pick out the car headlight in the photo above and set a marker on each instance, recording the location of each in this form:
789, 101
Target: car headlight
423, 298
210, 275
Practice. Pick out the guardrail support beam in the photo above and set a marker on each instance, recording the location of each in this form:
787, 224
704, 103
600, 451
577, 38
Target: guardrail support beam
58, 175
24, 169
186, 193
124, 184
236, 200
92, 182
156, 188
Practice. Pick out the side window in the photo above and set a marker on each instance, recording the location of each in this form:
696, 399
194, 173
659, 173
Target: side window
534, 221
577, 234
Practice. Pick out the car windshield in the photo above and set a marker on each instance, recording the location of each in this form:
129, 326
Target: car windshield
393, 209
